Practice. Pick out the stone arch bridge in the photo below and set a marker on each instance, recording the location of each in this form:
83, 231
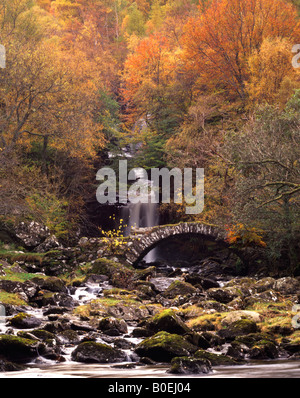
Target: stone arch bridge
142, 240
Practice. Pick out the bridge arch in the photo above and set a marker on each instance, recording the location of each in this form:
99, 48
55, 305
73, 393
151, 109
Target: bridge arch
145, 239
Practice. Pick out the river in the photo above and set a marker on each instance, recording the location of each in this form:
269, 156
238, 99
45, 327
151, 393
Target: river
270, 369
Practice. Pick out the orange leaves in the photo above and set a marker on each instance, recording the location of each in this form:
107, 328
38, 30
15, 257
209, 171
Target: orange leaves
148, 70
239, 235
219, 41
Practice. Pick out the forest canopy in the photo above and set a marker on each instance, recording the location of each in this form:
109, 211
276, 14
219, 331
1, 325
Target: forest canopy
209, 84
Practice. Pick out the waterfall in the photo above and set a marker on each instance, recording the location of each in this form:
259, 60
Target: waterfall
141, 215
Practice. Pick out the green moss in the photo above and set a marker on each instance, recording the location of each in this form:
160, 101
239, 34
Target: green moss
11, 298
6, 340
216, 359
206, 322
164, 346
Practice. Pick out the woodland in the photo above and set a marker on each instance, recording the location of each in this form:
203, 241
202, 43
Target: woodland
210, 84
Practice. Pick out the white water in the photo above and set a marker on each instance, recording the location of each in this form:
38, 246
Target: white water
43, 368
142, 215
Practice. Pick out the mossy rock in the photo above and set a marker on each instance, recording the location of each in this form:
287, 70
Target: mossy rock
240, 327
53, 284
119, 275
223, 294
252, 338
24, 321
113, 326
217, 359
43, 335
179, 288
163, 346
18, 349
167, 321
68, 336
263, 349
92, 352
7, 366
187, 365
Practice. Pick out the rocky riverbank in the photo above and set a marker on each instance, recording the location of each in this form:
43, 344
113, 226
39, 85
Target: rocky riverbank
74, 305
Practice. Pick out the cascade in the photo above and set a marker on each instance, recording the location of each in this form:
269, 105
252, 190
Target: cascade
141, 215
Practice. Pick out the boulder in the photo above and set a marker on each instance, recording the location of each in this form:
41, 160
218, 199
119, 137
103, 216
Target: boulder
167, 321
18, 349
223, 294
26, 290
113, 326
287, 285
6, 366
31, 234
50, 243
263, 349
241, 327
186, 365
163, 346
179, 288
234, 316
24, 321
264, 284
68, 336
53, 284
92, 352
217, 359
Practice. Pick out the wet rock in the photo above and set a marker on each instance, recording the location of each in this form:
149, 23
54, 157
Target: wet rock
222, 295
141, 332
194, 279
18, 349
217, 359
167, 321
52, 284
68, 336
146, 290
24, 321
291, 346
237, 350
43, 335
238, 328
186, 365
263, 349
287, 285
55, 310
198, 339
207, 283
6, 366
92, 352
113, 326
163, 346
179, 288
213, 339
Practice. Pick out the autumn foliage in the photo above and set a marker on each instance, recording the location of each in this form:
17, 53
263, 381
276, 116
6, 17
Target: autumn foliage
188, 83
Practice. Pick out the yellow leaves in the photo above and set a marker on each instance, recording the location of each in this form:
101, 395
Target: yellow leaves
268, 70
